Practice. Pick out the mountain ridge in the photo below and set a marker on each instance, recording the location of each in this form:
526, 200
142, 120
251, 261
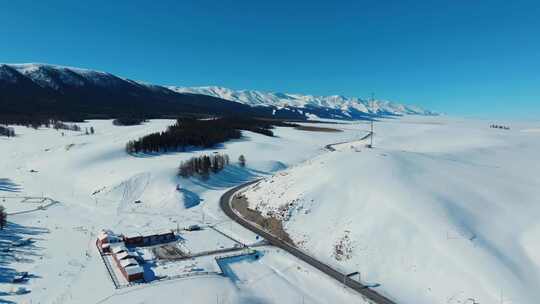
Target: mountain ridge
348, 106
51, 89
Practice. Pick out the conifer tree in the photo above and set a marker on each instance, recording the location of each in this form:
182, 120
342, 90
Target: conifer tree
242, 161
3, 217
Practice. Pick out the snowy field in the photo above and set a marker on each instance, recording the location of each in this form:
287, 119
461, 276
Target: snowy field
96, 183
442, 210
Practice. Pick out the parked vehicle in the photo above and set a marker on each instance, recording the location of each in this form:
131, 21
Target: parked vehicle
194, 228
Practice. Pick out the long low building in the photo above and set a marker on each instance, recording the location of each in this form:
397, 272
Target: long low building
138, 239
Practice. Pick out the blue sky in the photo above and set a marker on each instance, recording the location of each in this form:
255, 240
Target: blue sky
472, 58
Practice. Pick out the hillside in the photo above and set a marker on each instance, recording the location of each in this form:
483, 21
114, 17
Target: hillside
441, 211
336, 106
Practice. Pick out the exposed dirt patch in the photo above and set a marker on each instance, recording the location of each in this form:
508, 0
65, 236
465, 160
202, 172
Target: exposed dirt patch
343, 248
272, 224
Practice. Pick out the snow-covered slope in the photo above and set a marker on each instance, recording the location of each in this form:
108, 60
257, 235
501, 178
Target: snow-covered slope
56, 77
352, 107
441, 211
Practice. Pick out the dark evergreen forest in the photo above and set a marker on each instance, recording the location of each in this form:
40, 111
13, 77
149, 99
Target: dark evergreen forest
204, 133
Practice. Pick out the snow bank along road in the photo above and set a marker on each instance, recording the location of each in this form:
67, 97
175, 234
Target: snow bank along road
365, 291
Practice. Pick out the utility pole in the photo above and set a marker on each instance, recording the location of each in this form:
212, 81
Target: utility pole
371, 134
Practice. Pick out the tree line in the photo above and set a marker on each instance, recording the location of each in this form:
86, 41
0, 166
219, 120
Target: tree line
36, 122
205, 133
57, 125
499, 127
128, 121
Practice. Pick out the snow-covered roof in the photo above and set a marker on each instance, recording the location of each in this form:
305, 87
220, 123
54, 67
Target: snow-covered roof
135, 234
134, 270
102, 236
128, 262
132, 234
161, 232
108, 235
118, 248
125, 255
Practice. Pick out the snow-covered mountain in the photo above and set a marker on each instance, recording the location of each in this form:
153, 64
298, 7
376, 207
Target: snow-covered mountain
335, 106
53, 89
67, 91
58, 77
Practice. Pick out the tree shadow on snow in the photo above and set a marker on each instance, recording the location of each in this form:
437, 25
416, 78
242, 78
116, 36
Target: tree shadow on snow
3, 301
229, 177
17, 245
252, 299
191, 199
7, 185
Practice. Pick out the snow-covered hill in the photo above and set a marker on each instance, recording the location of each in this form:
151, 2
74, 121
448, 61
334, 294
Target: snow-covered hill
337, 105
440, 211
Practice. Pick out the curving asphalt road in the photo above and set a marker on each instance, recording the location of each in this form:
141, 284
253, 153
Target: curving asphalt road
368, 293
330, 147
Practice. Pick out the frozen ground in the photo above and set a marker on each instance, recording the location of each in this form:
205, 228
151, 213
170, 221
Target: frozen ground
441, 211
96, 183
